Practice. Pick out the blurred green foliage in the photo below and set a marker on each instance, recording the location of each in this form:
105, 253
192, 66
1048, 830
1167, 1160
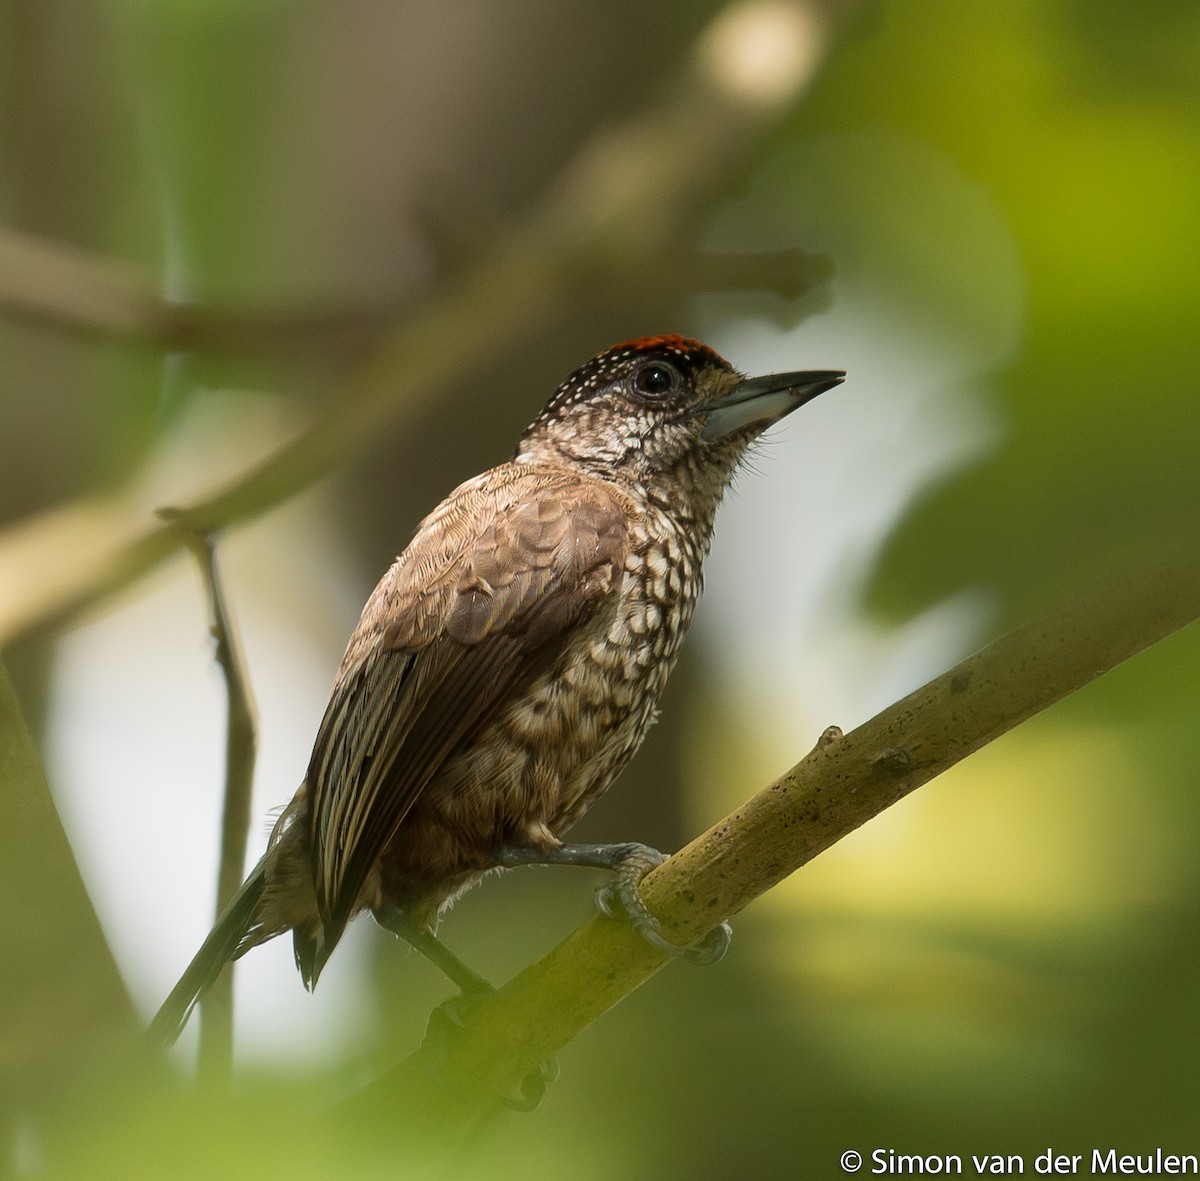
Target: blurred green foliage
1005, 962
1096, 180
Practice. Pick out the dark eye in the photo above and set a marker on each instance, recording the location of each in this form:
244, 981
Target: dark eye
654, 379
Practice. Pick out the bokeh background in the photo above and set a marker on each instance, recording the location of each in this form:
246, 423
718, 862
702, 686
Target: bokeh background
1008, 197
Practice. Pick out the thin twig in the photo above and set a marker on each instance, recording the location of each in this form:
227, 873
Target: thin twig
842, 784
216, 1009
61, 286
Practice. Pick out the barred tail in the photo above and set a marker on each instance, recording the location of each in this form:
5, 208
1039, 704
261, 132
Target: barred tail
225, 942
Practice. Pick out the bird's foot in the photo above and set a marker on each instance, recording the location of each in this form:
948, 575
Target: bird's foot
619, 899
451, 1018
630, 862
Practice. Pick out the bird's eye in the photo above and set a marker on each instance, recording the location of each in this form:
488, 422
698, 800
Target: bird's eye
655, 379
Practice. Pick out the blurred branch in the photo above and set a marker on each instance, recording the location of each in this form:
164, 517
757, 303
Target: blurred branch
64, 1010
628, 202
53, 283
789, 274
841, 785
783, 287
62, 286
216, 1009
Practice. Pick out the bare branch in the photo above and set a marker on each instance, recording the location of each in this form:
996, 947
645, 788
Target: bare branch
56, 284
241, 739
789, 274
61, 286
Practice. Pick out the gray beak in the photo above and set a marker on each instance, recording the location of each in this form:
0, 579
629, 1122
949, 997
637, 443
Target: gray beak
760, 401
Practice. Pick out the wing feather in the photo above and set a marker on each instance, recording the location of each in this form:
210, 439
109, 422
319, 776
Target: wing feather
482, 602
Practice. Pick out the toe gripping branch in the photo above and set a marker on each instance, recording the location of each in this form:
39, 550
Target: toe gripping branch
619, 898
446, 1022
452, 1016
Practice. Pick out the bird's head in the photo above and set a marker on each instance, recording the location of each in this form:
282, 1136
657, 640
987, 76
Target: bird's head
664, 406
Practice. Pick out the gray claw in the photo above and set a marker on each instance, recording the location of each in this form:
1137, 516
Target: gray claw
604, 901
533, 1087
619, 899
712, 947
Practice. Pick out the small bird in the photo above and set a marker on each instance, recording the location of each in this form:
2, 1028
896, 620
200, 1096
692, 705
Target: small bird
508, 665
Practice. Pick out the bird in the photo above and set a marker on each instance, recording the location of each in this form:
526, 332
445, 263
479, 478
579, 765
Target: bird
508, 665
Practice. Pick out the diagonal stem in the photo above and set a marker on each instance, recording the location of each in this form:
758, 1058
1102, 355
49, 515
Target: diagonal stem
841, 784
216, 1009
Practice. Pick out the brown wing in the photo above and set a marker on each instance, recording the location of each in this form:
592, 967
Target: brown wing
483, 601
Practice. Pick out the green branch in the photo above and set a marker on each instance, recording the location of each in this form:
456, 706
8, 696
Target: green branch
841, 785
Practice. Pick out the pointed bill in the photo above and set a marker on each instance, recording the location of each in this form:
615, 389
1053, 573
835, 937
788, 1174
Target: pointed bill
760, 401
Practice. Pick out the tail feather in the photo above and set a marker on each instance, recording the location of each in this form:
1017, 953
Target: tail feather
312, 949
225, 942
